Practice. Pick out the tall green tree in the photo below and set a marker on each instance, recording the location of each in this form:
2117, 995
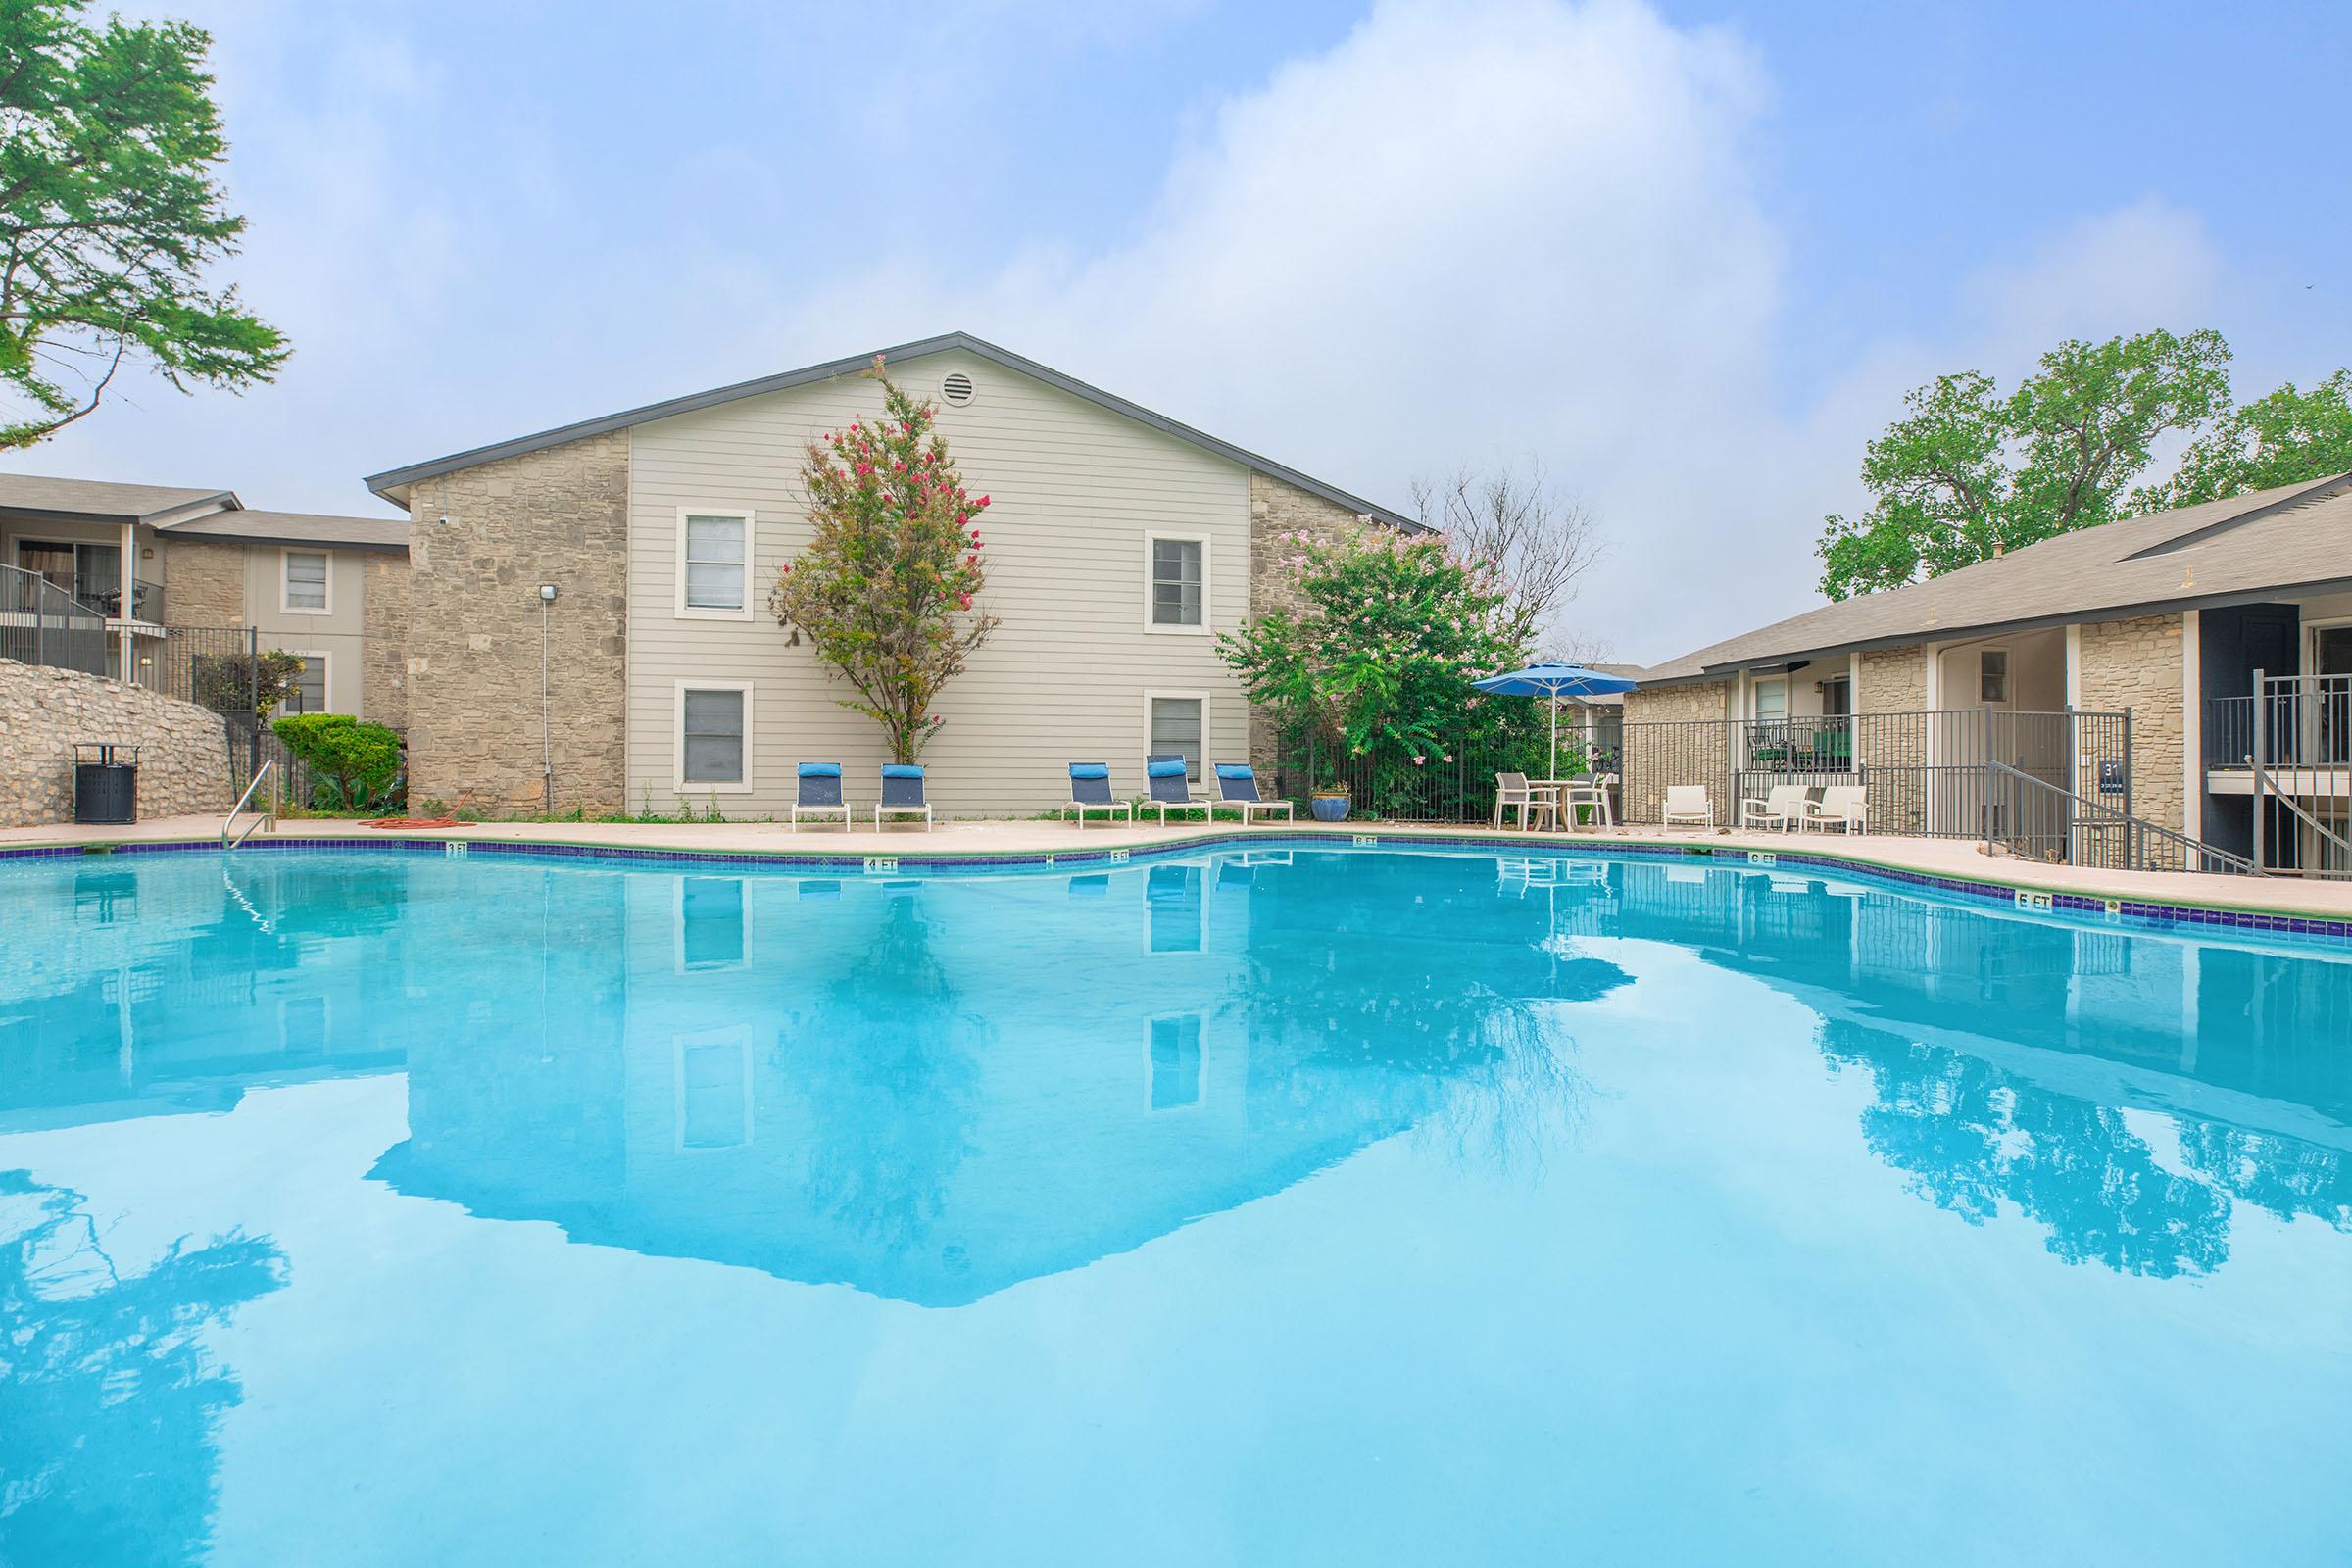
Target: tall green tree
1970, 471
885, 589
110, 215
2285, 438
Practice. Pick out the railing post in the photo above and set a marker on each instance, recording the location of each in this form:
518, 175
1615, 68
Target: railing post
2260, 753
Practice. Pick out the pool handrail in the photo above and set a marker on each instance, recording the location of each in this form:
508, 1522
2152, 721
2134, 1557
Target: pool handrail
259, 818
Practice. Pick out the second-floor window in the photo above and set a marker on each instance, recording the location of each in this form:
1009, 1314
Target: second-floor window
714, 558
1179, 583
305, 580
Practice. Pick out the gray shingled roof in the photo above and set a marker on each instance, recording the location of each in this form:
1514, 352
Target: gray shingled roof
99, 500
298, 528
2235, 551
392, 480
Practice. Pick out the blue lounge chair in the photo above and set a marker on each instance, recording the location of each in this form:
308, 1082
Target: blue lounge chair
820, 794
1170, 788
1236, 785
901, 793
1089, 791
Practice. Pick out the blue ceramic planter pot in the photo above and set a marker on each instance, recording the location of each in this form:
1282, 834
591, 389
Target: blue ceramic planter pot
1329, 808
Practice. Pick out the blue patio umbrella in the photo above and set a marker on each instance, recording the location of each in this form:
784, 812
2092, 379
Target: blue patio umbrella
1554, 681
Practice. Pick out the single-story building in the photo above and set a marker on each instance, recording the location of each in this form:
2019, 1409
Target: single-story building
166, 565
2169, 616
1119, 544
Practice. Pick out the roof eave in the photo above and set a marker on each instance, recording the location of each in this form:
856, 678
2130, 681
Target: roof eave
393, 484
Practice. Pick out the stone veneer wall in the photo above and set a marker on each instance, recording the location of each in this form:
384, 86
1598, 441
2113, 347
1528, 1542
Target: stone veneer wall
2136, 663
1894, 680
560, 516
204, 582
44, 712
1678, 704
384, 624
1275, 511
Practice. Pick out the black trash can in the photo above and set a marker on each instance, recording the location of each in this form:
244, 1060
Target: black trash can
105, 782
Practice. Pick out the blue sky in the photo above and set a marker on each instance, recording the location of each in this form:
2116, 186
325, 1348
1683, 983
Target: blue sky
1690, 256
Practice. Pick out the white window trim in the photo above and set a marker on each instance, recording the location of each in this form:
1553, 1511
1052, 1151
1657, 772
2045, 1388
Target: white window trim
1208, 761
2307, 657
1755, 697
327, 691
686, 611
285, 583
740, 1037
677, 736
677, 926
1154, 536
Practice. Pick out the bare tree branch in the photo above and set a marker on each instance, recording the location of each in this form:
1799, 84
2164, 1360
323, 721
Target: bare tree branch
1540, 539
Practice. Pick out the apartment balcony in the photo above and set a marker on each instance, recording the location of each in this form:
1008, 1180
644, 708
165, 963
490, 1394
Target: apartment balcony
2299, 725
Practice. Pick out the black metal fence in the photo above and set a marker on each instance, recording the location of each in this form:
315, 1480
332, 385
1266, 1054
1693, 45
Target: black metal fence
41, 624
212, 666
251, 744
1923, 774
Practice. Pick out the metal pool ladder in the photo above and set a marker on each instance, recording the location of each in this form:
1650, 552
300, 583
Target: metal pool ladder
260, 817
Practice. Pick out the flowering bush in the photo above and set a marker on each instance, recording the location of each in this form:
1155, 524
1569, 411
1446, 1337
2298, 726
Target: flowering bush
1378, 659
885, 590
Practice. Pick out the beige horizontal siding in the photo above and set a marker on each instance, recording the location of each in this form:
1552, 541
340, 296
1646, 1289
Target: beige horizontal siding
1075, 490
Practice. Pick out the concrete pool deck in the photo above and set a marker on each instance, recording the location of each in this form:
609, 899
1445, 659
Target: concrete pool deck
1938, 857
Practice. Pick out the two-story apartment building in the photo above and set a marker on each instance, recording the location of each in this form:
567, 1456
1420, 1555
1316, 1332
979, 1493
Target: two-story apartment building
588, 620
154, 560
2169, 616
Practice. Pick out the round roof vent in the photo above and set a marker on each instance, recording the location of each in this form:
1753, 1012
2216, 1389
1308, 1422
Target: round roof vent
956, 388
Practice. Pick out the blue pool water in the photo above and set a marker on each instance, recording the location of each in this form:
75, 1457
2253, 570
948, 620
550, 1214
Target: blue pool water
1277, 1207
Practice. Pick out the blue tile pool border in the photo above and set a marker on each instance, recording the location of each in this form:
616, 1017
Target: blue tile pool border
2155, 913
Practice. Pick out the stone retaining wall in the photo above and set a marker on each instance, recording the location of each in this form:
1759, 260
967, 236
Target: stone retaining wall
183, 748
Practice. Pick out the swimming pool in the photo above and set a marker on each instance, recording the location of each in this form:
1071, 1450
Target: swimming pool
1263, 1204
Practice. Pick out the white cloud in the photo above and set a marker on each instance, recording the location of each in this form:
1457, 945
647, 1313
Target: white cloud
1467, 229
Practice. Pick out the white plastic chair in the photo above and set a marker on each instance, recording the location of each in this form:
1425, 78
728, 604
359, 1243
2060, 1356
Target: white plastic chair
1783, 808
1594, 791
1687, 806
1535, 802
1846, 805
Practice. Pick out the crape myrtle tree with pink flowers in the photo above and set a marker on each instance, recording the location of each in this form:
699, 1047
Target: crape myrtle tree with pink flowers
885, 591
1370, 673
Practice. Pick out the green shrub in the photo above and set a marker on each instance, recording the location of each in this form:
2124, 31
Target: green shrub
234, 683
360, 763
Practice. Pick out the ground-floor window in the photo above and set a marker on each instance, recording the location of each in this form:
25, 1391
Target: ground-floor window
714, 728
308, 694
1179, 725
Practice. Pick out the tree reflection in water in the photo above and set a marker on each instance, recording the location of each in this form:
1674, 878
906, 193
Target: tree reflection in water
109, 1406
1971, 1137
888, 1063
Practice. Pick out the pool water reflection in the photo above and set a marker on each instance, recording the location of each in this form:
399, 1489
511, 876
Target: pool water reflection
1374, 1207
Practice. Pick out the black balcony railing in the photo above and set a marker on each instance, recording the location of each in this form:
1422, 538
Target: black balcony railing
2292, 721
42, 624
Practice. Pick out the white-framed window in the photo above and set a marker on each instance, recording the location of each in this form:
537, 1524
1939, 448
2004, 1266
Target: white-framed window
1173, 1061
714, 564
1992, 676
715, 736
714, 1082
1771, 698
1176, 582
714, 923
1176, 724
306, 586
308, 694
